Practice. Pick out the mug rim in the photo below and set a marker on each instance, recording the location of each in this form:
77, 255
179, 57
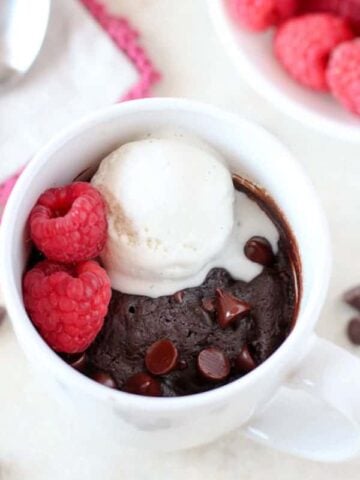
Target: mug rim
61, 369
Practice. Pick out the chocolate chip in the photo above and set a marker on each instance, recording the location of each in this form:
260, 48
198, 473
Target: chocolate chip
229, 308
161, 357
353, 331
179, 296
2, 313
208, 304
352, 297
259, 250
103, 378
78, 362
143, 384
213, 364
244, 362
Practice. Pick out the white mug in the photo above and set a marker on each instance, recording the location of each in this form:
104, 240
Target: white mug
305, 399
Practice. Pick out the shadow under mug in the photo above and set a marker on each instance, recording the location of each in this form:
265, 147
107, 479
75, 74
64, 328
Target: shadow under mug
305, 399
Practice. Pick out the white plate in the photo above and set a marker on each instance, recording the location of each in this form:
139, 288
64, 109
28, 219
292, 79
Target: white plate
252, 54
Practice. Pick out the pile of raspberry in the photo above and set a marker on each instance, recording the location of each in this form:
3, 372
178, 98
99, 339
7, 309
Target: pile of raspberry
316, 41
67, 292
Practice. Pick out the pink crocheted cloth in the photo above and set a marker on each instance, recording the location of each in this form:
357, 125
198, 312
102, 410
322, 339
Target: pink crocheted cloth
126, 39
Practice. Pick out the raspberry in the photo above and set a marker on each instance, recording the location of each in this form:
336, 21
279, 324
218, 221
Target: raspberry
303, 46
343, 75
258, 15
349, 9
66, 303
285, 9
68, 224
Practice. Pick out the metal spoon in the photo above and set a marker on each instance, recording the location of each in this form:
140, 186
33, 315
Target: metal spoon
23, 25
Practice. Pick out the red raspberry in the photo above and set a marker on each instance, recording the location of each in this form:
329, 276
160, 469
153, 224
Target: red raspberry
66, 303
303, 45
349, 9
343, 75
258, 15
68, 224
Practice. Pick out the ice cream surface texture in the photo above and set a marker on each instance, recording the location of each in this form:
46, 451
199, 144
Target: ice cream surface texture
173, 214
171, 211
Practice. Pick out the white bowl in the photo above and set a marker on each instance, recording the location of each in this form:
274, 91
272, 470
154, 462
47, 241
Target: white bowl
252, 54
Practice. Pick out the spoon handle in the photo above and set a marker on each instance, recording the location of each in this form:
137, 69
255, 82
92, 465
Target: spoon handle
23, 25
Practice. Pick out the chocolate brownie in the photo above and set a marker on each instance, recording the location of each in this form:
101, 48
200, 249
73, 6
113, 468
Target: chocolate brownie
134, 323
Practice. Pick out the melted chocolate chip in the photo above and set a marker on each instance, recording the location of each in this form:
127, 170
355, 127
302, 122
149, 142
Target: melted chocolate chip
208, 304
353, 331
103, 378
143, 384
179, 296
352, 297
259, 250
212, 364
229, 308
161, 357
244, 362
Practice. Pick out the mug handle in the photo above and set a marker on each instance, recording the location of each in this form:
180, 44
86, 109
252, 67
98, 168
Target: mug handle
316, 413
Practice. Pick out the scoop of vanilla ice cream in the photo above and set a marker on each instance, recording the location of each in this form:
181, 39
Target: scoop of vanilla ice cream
170, 212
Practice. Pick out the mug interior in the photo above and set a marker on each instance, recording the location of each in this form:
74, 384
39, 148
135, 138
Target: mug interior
250, 151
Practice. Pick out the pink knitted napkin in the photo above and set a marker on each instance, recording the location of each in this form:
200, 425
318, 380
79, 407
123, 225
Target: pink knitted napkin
87, 61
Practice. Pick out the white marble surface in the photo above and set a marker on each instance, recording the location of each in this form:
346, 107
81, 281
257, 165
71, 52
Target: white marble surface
37, 440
